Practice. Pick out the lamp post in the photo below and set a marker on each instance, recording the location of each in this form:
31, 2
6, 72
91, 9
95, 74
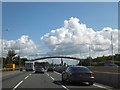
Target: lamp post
2, 47
111, 37
20, 54
19, 57
112, 47
90, 53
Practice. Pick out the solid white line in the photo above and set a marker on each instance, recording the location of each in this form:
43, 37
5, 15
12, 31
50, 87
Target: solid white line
101, 86
17, 85
26, 77
30, 74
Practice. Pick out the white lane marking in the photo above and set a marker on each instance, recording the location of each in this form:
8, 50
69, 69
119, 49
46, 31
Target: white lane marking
47, 74
17, 85
52, 78
26, 77
58, 82
57, 73
63, 86
33, 72
101, 86
21, 82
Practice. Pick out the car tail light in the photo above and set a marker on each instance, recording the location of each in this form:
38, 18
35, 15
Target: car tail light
92, 75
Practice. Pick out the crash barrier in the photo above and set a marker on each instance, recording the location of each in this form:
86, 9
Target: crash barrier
9, 69
107, 78
105, 75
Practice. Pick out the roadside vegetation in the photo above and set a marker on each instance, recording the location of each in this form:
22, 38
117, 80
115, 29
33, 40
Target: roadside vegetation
12, 57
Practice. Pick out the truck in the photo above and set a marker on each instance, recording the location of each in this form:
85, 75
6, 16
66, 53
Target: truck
29, 65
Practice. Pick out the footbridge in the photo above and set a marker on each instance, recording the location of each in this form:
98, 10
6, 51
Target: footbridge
47, 57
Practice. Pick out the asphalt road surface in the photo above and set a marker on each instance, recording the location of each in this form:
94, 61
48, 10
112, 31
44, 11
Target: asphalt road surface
50, 80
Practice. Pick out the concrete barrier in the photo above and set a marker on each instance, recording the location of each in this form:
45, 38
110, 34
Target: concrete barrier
104, 69
8, 69
107, 75
110, 79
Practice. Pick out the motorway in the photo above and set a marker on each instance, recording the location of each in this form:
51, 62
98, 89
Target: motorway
16, 80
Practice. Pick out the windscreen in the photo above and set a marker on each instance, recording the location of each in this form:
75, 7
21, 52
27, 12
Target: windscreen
79, 69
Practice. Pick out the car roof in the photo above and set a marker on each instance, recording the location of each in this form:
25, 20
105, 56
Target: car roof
78, 66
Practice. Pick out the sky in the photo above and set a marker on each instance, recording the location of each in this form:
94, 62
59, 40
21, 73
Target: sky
59, 28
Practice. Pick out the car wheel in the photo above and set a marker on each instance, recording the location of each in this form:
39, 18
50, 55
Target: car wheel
90, 83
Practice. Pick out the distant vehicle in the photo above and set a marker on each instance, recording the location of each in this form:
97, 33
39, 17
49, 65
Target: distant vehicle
40, 63
110, 65
22, 68
29, 65
39, 69
78, 74
50, 69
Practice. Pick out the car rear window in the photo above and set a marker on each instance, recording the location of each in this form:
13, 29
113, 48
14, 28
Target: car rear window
80, 69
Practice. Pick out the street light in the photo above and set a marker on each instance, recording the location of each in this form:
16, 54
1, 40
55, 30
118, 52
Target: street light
90, 54
90, 50
20, 55
111, 35
2, 47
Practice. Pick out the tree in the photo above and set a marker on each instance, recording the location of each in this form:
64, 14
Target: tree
11, 54
23, 61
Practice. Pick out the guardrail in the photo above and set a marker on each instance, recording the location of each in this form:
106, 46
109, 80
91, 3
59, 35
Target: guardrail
107, 75
8, 69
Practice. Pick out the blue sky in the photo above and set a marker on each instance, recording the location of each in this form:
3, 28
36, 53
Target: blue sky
36, 19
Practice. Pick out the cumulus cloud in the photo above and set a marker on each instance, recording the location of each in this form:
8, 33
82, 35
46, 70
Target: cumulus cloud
76, 38
23, 46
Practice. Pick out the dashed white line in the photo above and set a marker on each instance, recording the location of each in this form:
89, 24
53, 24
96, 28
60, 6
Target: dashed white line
52, 78
33, 72
26, 77
57, 73
30, 74
17, 85
47, 74
21, 82
63, 86
57, 82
